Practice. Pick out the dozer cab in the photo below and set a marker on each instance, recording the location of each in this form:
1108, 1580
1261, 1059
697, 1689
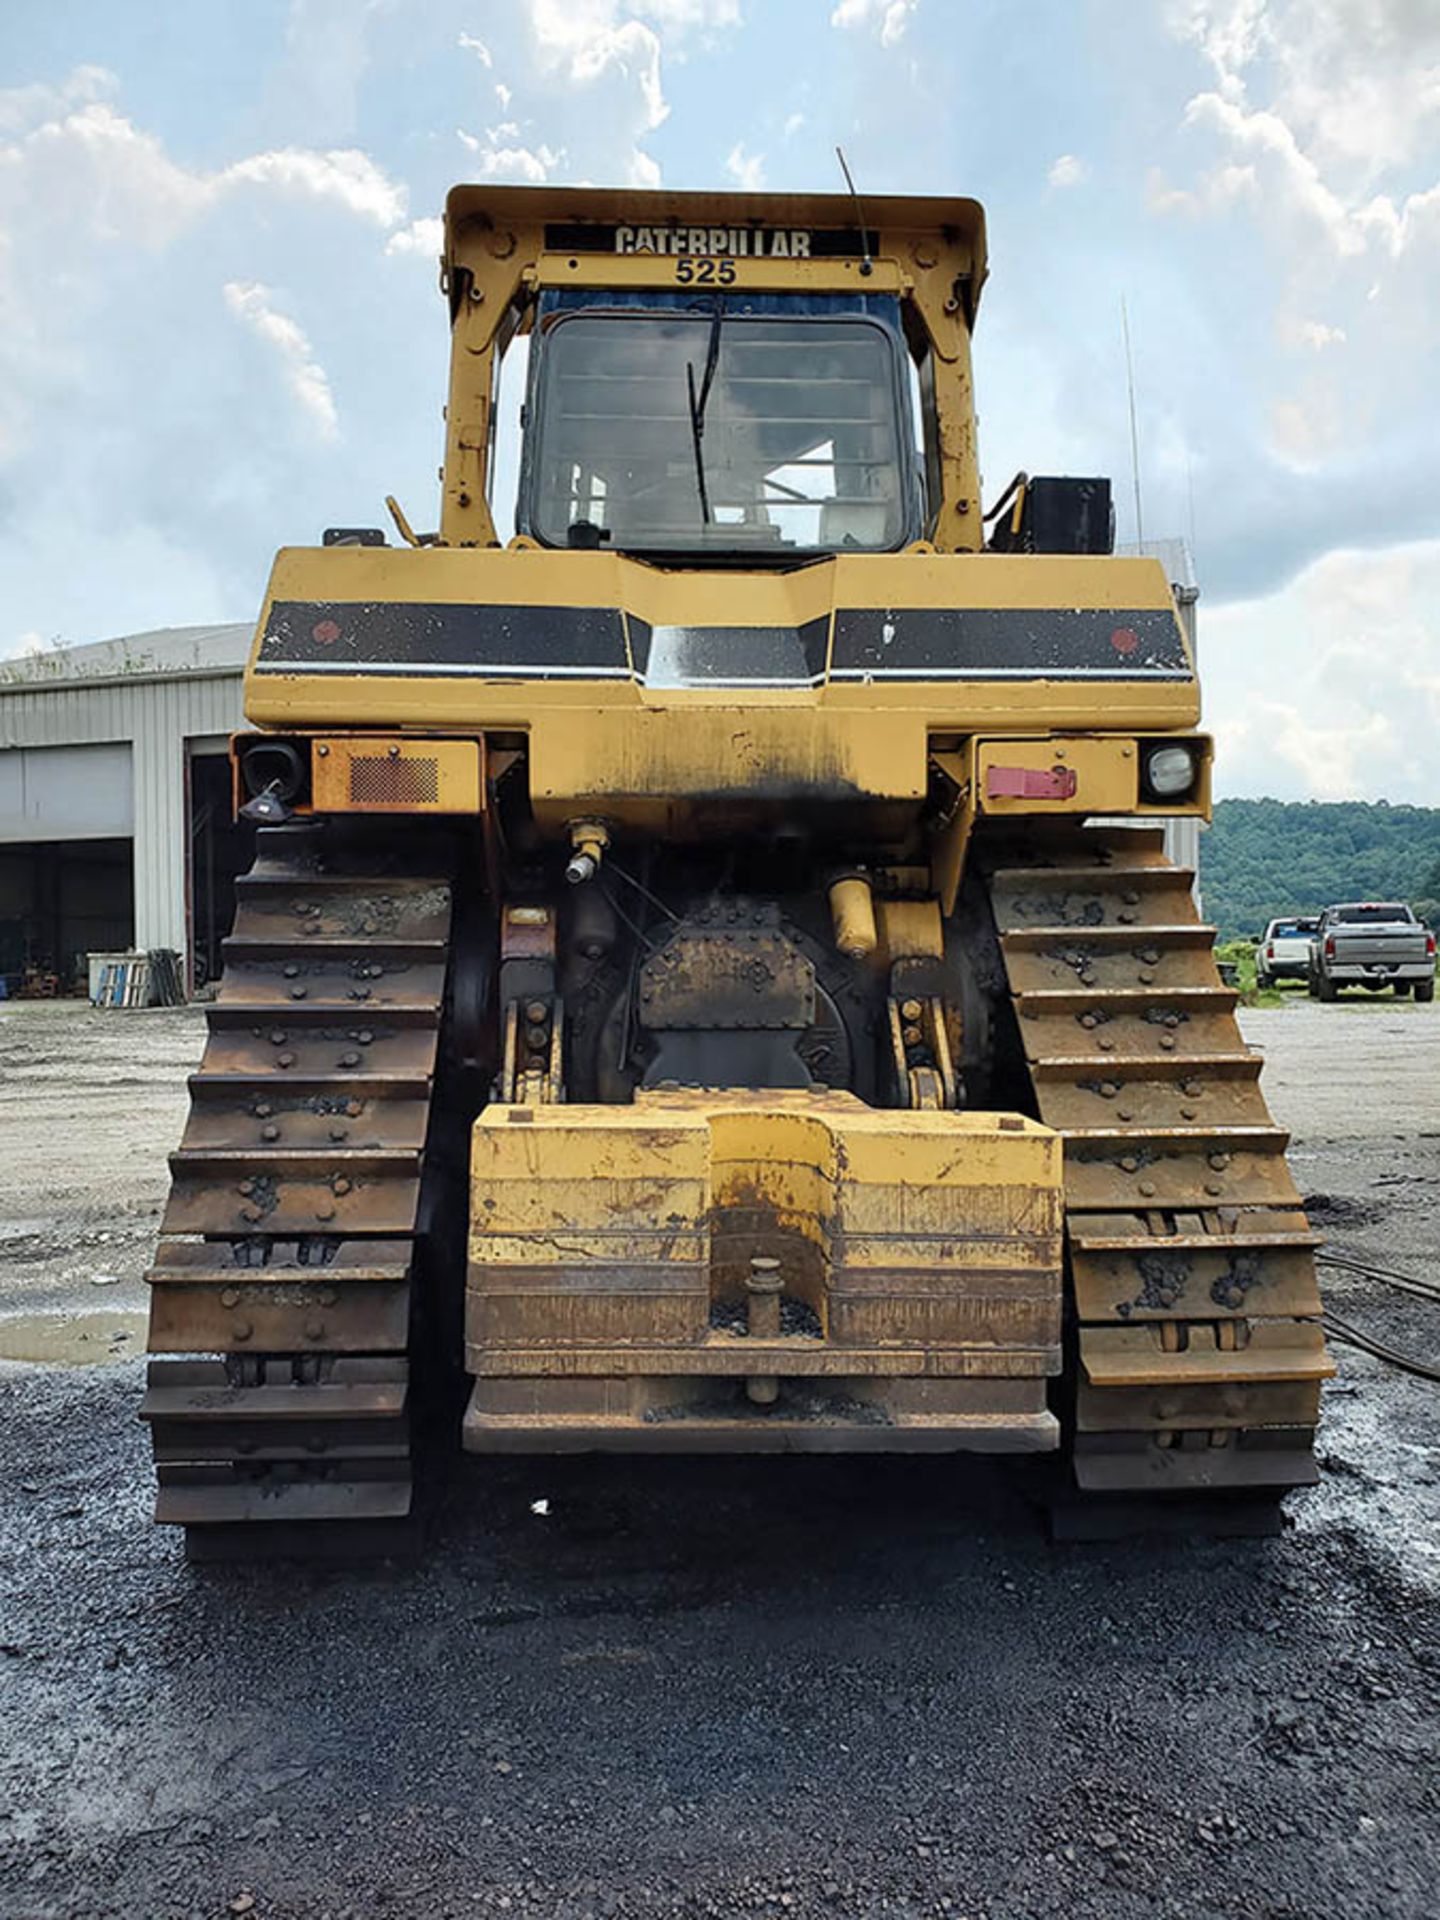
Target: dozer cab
711, 978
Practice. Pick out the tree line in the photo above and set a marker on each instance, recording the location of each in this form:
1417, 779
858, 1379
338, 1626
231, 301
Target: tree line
1265, 858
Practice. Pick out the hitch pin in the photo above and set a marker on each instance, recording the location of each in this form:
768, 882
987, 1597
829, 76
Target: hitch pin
763, 1285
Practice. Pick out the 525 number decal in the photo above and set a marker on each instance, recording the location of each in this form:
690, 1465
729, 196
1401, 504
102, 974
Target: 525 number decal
705, 273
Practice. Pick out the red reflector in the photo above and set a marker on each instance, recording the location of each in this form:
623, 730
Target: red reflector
327, 632
1270, 953
1429, 946
1124, 639
1031, 783
1329, 946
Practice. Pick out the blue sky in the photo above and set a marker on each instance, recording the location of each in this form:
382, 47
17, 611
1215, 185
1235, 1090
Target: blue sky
220, 331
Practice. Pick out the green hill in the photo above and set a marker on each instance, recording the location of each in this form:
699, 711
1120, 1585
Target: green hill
1263, 858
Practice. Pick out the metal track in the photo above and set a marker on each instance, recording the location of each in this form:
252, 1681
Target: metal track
1198, 1348
288, 1246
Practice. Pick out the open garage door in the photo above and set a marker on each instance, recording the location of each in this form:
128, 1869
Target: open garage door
67, 884
59, 901
221, 847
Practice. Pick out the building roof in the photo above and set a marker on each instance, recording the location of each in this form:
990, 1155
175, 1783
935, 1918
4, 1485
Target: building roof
166, 652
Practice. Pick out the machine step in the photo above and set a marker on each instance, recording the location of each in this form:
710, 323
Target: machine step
186, 1391
1237, 1465
225, 1120
1060, 958
1125, 1233
188, 1262
1191, 1261
1135, 1356
288, 1242
1081, 899
200, 1498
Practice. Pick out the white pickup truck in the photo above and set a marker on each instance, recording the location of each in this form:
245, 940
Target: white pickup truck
1284, 951
1373, 944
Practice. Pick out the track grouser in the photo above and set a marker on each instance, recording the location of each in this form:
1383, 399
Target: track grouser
711, 978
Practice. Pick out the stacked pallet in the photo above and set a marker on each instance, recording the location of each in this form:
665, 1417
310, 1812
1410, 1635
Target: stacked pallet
130, 980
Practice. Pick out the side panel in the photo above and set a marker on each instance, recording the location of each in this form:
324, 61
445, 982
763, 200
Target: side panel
461, 639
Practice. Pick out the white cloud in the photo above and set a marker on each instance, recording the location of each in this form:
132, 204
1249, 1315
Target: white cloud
886, 18
421, 236
1352, 93
1230, 33
1314, 334
585, 39
23, 107
793, 123
1357, 80
1292, 758
1355, 641
1215, 193
348, 177
1068, 171
522, 165
86, 195
1291, 172
747, 170
1408, 226
688, 15
1314, 151
605, 65
304, 376
583, 86
124, 184
113, 253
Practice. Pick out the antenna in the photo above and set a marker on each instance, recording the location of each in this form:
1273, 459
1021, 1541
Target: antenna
1134, 433
866, 264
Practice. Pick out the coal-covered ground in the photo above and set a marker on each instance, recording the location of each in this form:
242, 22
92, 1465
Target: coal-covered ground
752, 1687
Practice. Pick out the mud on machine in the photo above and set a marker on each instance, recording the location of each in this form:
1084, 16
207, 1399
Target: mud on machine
678, 993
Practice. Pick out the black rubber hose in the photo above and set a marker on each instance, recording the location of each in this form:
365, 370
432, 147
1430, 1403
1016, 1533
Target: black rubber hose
1352, 1337
1407, 1283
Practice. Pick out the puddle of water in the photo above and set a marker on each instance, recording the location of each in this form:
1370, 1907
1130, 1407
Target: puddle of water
72, 1339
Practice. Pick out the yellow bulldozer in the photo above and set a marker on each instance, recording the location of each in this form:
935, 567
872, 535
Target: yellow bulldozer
711, 978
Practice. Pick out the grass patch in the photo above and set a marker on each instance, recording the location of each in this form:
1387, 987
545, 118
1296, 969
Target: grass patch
1240, 954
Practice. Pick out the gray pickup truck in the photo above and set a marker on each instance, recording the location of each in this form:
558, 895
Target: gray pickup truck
1372, 944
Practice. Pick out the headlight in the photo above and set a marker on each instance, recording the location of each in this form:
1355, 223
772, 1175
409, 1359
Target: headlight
272, 766
1169, 772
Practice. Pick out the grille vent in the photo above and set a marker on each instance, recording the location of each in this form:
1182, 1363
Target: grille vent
377, 782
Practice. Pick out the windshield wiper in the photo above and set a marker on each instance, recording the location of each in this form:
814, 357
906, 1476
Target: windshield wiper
698, 404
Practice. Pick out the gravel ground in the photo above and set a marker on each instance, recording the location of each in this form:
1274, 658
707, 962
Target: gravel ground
821, 1686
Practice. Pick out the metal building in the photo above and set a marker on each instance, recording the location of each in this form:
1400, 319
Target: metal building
115, 827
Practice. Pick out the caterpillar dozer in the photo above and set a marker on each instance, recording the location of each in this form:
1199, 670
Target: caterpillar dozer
711, 978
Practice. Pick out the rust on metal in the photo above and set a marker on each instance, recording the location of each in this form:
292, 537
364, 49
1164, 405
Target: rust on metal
287, 1242
1192, 1261
396, 774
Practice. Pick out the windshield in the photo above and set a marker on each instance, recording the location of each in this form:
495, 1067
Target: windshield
688, 432
1369, 916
